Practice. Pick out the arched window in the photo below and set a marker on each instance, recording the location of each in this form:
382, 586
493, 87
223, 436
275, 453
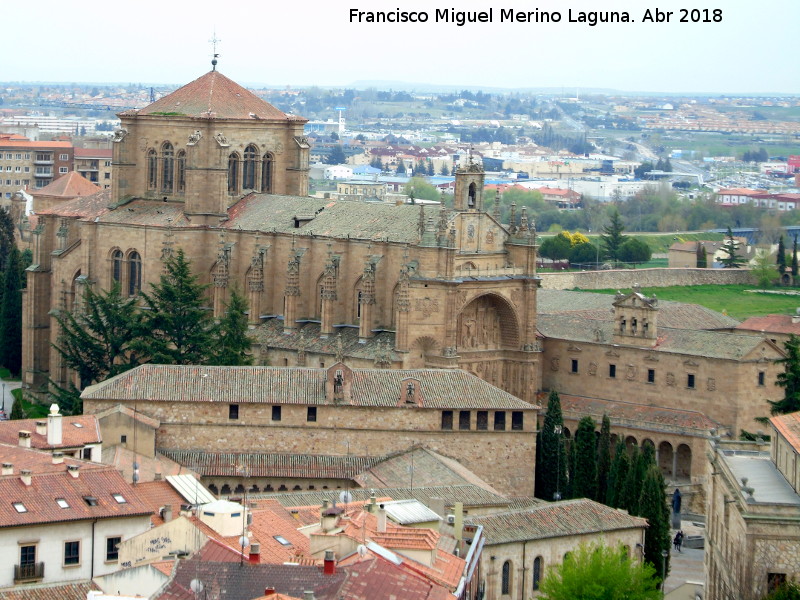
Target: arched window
134, 273
505, 584
116, 266
249, 171
537, 572
359, 296
180, 165
152, 173
472, 194
233, 173
167, 167
266, 173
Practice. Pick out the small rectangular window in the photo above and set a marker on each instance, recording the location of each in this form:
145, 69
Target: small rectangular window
311, 414
119, 498
62, 503
19, 507
464, 420
499, 421
612, 371
651, 375
86, 454
123, 439
483, 420
276, 413
233, 411
72, 553
517, 422
112, 548
690, 380
63, 170
761, 377
63, 156
574, 367
447, 419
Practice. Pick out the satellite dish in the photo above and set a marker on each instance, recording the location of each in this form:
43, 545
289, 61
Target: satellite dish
345, 497
362, 550
196, 586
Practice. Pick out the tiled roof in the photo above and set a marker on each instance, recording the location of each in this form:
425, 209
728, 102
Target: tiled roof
642, 415
271, 333
470, 495
39, 461
440, 388
558, 519
272, 520
739, 192
77, 431
39, 498
159, 465
333, 218
81, 207
217, 464
771, 324
129, 412
62, 591
373, 578
157, 494
94, 153
147, 212
789, 427
71, 185
214, 96
33, 145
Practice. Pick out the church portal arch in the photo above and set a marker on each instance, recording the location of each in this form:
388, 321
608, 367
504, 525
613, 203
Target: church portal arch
489, 321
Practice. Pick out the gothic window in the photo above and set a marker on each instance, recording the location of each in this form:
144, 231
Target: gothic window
134, 273
472, 194
358, 304
116, 266
537, 572
249, 170
152, 174
167, 167
266, 173
180, 171
233, 173
505, 584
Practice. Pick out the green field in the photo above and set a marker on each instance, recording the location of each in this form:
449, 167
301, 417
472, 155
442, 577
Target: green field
734, 300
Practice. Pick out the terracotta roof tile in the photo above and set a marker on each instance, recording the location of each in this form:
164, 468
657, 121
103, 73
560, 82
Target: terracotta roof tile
156, 495
40, 461
147, 212
71, 185
789, 427
34, 145
107, 153
62, 591
82, 207
77, 431
771, 324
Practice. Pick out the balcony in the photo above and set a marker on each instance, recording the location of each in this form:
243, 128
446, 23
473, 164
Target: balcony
43, 161
28, 572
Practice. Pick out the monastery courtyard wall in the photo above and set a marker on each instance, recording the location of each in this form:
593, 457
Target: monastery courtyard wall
646, 278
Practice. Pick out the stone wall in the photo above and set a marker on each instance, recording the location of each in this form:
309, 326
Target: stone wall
626, 278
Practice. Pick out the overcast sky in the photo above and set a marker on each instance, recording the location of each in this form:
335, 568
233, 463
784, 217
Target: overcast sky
754, 48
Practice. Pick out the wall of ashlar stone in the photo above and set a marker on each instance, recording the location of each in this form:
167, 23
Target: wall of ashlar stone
647, 278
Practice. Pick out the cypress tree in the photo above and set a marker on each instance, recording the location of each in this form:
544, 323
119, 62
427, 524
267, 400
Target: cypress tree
11, 315
233, 343
603, 459
585, 484
653, 507
781, 259
789, 380
618, 475
551, 460
631, 487
794, 257
6, 237
16, 411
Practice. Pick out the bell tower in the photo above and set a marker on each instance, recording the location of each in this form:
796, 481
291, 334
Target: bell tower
469, 187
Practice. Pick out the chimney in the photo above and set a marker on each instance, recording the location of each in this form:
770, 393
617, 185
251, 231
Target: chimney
270, 591
54, 432
41, 427
25, 475
73, 470
255, 554
8, 469
309, 596
25, 439
458, 526
166, 513
58, 458
329, 566
381, 519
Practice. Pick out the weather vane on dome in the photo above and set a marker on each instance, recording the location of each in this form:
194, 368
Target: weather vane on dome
214, 41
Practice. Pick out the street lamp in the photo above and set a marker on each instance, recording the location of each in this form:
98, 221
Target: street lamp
664, 554
557, 430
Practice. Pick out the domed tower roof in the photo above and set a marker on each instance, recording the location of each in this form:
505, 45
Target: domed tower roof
214, 96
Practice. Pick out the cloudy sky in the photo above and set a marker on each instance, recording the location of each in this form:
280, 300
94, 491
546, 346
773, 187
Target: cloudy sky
753, 49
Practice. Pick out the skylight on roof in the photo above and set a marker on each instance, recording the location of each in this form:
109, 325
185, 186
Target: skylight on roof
90, 500
78, 425
119, 498
282, 540
62, 503
19, 507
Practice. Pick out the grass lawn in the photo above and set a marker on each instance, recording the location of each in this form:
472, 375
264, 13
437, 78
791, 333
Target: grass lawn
32, 411
734, 300
5, 375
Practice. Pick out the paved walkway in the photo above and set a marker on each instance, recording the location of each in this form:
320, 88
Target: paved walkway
686, 565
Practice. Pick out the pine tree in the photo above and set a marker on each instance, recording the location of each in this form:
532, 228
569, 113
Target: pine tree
653, 507
603, 459
179, 326
585, 483
781, 259
789, 380
11, 315
618, 475
444, 171
16, 411
794, 257
401, 168
731, 260
612, 237
233, 343
551, 460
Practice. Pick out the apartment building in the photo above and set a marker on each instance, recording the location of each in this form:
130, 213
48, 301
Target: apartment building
32, 165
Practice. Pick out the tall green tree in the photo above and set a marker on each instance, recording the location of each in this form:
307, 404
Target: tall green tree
336, 156
794, 257
585, 481
702, 257
401, 168
653, 507
618, 475
781, 258
732, 259
551, 459
603, 459
631, 487
612, 236
600, 573
180, 328
788, 591
421, 189
789, 379
17, 412
11, 315
6, 237
232, 346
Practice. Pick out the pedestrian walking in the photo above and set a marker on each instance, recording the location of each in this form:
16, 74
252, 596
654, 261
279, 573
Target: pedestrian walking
678, 541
